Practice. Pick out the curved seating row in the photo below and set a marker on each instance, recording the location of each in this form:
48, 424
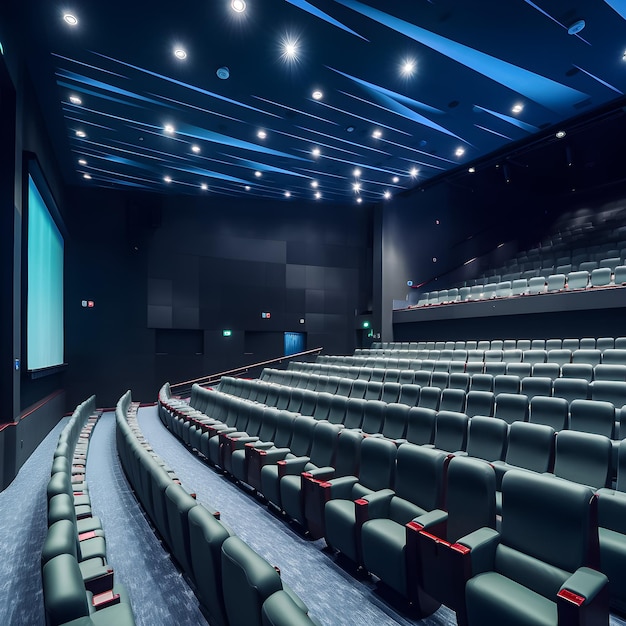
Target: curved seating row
78, 583
353, 489
586, 343
233, 583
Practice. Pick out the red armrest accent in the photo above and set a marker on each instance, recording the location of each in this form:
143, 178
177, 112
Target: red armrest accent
361, 502
108, 598
414, 526
88, 535
282, 468
457, 547
572, 597
217, 515
361, 511
434, 538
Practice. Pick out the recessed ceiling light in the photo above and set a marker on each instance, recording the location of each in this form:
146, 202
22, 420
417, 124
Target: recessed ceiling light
317, 95
314, 184
318, 195
87, 176
387, 194
70, 19
518, 108
316, 152
167, 179
408, 67
350, 129
356, 187
459, 152
204, 186
82, 162
247, 187
287, 194
180, 54
261, 134
560, 134
169, 129
239, 6
356, 172
195, 149
258, 174
471, 170
81, 133
624, 56
289, 47
359, 200
223, 72
395, 179
377, 134
413, 172
75, 100
576, 27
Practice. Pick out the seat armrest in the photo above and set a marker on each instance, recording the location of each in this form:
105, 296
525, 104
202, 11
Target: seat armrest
583, 586
292, 466
373, 505
434, 522
342, 487
482, 545
272, 455
322, 473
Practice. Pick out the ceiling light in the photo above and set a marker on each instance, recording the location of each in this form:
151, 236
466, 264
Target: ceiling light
180, 54
356, 172
387, 195
317, 95
70, 19
81, 133
167, 179
258, 174
195, 149
314, 184
350, 129
413, 172
359, 200
518, 108
576, 27
87, 176
471, 170
356, 187
560, 134
624, 56
395, 179
204, 186
318, 195
408, 67
287, 194
290, 48
261, 134
82, 162
377, 134
247, 187
316, 152
239, 6
459, 152
223, 72
169, 129
75, 100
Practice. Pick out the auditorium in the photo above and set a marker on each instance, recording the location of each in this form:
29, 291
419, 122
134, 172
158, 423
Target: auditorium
311, 313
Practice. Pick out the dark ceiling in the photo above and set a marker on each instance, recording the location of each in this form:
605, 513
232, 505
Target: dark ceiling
486, 76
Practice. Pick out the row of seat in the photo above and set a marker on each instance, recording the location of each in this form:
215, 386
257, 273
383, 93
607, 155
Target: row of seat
572, 343
233, 583
552, 283
304, 486
598, 406
78, 583
381, 369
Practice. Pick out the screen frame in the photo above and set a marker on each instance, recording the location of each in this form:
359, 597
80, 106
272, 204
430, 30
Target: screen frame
32, 169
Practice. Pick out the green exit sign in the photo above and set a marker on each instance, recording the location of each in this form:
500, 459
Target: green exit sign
366, 324
227, 333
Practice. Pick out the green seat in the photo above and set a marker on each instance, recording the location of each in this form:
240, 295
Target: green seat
281, 610
178, 504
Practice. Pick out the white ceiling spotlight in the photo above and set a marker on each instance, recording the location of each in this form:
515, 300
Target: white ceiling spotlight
258, 174
356, 187
560, 134
180, 53
413, 172
289, 48
81, 133
356, 172
204, 187
82, 162
317, 94
407, 68
395, 179
75, 100
70, 19
238, 6
517, 108
287, 194
359, 200
314, 184
318, 195
261, 134
316, 152
195, 149
576, 27
459, 152
167, 179
387, 194
377, 133
168, 129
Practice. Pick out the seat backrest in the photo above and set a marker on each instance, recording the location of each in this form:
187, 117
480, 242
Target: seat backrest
492, 356
614, 356
571, 344
487, 438
560, 356
439, 379
523, 345
534, 356
429, 397
547, 370
64, 593
359, 388
589, 356
548, 520
178, 503
409, 394
608, 371
373, 416
550, 411
577, 370
302, 435
322, 407
337, 411
470, 497
481, 382
479, 403
206, 536
378, 459
372, 391
390, 392
512, 356
519, 369
592, 416
570, 389
452, 400
613, 391
519, 286
459, 380
531, 446
511, 407
247, 581
605, 343
354, 412
395, 421
348, 453
556, 282
578, 279
536, 386
583, 458
553, 344
280, 609
420, 425
451, 431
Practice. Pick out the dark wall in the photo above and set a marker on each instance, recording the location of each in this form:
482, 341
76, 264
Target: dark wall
169, 274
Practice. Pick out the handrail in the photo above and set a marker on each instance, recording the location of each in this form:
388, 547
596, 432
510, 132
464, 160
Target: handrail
212, 378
